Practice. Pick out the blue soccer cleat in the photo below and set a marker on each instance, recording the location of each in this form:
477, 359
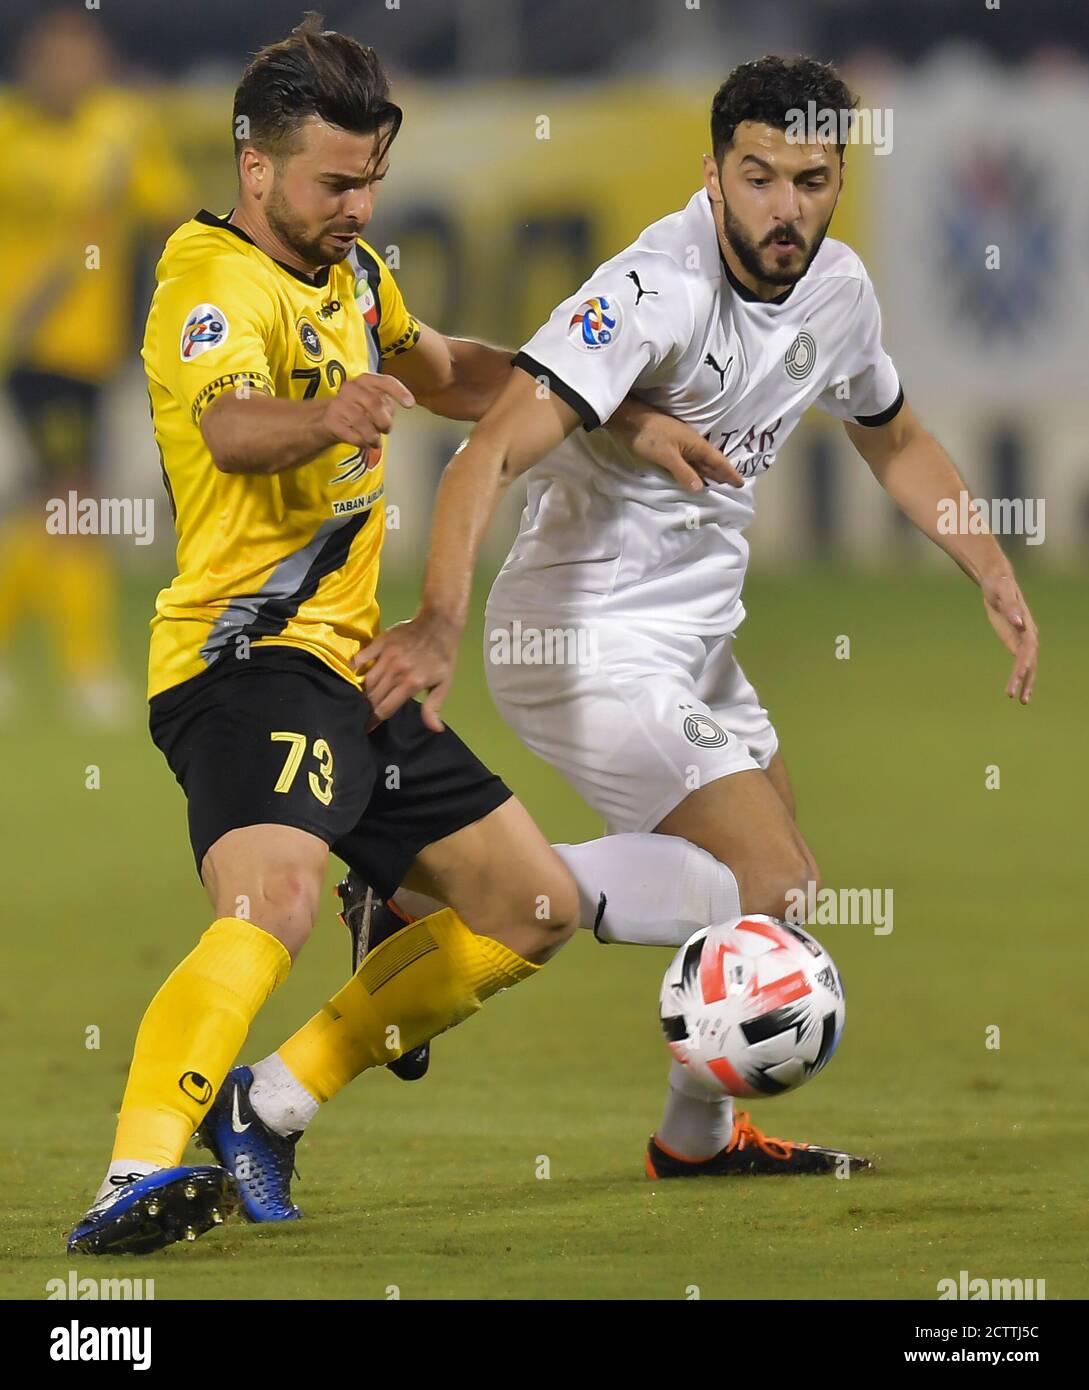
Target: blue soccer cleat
158, 1209
260, 1160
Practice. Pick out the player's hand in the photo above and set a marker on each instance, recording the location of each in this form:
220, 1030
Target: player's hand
361, 412
1010, 617
406, 658
671, 444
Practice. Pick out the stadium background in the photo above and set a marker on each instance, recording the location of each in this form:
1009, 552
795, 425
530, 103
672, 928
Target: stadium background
436, 1189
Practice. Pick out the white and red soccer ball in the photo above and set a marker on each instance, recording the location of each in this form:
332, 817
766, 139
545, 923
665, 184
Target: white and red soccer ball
752, 1007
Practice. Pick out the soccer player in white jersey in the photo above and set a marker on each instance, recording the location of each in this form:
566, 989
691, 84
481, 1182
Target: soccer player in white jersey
734, 315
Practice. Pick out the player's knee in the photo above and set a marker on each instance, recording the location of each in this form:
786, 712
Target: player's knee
285, 903
553, 921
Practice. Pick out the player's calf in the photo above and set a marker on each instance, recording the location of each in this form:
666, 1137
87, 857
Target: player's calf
743, 821
536, 931
506, 882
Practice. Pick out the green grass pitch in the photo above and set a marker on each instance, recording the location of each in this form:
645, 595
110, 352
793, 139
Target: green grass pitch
437, 1190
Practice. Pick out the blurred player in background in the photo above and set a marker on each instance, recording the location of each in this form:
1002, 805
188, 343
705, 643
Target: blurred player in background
85, 174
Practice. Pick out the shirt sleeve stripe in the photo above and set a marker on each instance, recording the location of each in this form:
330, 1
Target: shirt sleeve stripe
408, 340
886, 415
239, 381
582, 407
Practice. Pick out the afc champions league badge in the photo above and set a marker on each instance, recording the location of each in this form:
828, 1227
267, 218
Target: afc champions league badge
205, 327
595, 323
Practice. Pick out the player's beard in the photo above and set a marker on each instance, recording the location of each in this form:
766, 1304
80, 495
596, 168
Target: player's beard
748, 252
294, 233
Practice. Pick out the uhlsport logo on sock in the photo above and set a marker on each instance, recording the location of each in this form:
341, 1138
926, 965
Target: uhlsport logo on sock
196, 1087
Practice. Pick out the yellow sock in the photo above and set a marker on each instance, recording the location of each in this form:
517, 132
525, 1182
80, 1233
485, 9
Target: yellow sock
190, 1035
24, 559
81, 607
422, 980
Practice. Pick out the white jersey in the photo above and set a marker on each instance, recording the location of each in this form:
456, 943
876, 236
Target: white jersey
605, 537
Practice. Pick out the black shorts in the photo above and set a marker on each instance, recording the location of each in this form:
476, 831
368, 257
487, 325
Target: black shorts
282, 738
60, 415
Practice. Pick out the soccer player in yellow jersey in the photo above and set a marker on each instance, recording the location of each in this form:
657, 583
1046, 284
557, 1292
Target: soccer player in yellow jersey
85, 173
277, 346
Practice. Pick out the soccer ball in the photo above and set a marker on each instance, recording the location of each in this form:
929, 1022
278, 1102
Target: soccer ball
752, 1007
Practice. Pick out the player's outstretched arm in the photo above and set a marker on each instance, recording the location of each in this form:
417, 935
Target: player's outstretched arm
461, 378
672, 445
251, 432
458, 378
919, 476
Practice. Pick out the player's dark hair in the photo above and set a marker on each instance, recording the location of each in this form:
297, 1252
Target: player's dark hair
769, 88
313, 72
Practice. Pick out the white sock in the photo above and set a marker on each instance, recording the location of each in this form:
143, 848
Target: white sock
658, 889
695, 1124
121, 1171
280, 1098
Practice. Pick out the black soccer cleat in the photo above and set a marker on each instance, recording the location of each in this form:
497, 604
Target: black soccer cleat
150, 1212
750, 1151
370, 921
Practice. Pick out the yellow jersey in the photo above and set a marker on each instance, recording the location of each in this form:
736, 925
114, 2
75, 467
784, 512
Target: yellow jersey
73, 192
287, 559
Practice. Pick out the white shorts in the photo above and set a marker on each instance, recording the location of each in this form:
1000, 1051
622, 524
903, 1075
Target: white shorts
634, 718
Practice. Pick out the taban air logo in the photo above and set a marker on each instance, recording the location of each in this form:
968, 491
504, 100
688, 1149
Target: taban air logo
801, 356
308, 336
355, 465
205, 328
595, 323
